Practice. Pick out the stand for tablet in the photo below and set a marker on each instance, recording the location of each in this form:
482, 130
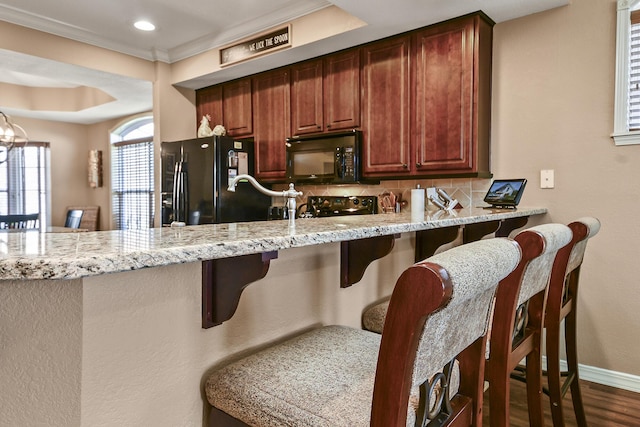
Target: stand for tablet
500, 207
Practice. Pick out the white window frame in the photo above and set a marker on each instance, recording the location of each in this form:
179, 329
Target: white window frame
15, 181
621, 134
118, 139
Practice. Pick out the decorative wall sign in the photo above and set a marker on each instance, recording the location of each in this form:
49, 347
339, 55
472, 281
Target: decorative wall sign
95, 168
269, 42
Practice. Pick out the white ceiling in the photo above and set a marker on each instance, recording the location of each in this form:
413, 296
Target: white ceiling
186, 28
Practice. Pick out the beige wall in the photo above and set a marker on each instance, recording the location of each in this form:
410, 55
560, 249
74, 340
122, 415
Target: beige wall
553, 91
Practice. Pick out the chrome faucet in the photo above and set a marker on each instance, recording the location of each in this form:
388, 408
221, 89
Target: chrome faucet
290, 194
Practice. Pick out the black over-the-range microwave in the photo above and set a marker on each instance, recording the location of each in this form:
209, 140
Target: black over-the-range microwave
329, 158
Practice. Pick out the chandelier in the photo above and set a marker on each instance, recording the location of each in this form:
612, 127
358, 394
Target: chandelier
10, 133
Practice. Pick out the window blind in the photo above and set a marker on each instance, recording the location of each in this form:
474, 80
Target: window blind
132, 181
634, 72
24, 181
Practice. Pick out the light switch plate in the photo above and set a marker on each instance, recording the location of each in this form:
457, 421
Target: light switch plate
546, 178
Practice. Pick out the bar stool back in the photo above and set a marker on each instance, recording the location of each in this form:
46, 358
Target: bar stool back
517, 328
562, 305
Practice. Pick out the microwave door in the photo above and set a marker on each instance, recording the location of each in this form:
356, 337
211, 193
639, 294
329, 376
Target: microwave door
314, 166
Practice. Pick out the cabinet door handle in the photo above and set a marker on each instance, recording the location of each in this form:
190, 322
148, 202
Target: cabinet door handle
405, 166
419, 165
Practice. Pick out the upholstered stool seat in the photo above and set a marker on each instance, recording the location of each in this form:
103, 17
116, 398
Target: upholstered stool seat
373, 317
341, 376
304, 393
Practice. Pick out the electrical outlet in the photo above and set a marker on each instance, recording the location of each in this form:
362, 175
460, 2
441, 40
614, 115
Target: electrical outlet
546, 178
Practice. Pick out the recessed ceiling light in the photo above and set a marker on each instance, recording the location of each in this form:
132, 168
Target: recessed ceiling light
144, 26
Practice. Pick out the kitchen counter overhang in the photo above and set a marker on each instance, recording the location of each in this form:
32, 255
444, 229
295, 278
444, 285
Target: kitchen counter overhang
31, 255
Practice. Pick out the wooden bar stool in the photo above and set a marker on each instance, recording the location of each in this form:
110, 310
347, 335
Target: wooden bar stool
516, 331
562, 305
529, 281
337, 376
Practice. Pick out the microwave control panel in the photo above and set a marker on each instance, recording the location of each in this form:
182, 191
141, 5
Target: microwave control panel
345, 162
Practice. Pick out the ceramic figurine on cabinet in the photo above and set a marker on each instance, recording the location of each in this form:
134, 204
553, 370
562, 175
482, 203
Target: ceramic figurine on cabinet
219, 130
204, 129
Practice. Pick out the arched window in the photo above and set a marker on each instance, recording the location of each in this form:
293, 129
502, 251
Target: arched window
626, 123
132, 174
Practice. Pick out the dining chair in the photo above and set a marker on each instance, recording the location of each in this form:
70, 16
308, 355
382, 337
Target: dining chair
348, 377
19, 221
74, 216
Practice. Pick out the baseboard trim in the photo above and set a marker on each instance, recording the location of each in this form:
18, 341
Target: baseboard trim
604, 376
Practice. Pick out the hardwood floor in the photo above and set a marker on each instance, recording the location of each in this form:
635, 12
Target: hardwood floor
604, 406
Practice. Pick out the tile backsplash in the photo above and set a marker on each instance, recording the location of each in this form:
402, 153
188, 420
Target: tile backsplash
468, 191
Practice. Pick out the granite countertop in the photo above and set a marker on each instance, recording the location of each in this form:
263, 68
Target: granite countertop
31, 255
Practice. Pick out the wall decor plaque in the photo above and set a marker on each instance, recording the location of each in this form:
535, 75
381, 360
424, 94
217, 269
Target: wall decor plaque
269, 42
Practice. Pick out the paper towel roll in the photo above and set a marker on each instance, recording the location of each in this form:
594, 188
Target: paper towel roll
417, 204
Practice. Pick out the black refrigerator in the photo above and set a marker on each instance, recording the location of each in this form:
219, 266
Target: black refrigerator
195, 178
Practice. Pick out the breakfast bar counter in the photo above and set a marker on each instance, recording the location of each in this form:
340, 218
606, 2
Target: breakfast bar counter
32, 255
108, 328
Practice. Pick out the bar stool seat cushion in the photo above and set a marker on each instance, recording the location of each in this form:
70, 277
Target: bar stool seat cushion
302, 394
373, 317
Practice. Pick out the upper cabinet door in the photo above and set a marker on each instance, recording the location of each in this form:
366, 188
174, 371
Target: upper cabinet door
209, 101
385, 108
306, 98
449, 85
271, 97
236, 106
342, 90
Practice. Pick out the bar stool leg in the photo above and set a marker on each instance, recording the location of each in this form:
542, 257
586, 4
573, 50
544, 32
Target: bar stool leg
572, 351
534, 390
553, 371
499, 394
534, 361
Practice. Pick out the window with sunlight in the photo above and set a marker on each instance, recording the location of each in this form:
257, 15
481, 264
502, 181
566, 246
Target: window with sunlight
25, 181
627, 98
132, 182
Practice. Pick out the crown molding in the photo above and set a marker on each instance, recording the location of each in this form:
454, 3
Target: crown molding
200, 45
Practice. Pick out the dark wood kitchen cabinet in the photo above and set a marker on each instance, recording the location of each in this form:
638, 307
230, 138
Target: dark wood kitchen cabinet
209, 101
341, 90
306, 98
422, 100
236, 107
272, 123
325, 93
385, 108
451, 108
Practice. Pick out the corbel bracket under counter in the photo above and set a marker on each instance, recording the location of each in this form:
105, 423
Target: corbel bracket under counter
223, 281
356, 255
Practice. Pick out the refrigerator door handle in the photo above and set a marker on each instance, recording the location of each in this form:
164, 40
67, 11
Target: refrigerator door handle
179, 192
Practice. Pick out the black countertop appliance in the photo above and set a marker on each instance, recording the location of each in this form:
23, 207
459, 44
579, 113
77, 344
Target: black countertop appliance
195, 178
